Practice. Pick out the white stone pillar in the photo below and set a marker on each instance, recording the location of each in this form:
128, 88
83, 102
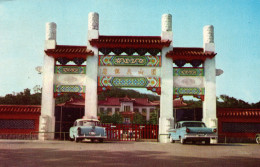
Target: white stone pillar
91, 98
148, 114
47, 119
209, 104
166, 98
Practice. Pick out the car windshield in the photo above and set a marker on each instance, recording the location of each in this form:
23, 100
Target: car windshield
87, 123
193, 124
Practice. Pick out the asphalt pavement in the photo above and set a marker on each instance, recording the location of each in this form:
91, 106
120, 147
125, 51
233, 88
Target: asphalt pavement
112, 154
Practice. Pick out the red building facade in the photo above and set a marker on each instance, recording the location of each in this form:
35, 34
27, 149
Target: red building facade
18, 121
238, 124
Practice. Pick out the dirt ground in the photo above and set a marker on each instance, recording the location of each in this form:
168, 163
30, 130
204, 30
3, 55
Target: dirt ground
113, 154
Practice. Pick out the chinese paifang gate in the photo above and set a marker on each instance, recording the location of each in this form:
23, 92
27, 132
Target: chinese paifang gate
128, 61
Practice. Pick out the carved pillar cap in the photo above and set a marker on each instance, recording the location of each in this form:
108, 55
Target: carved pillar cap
93, 21
208, 34
50, 31
166, 22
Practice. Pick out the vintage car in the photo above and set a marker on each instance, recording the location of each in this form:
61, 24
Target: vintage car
192, 131
87, 129
257, 138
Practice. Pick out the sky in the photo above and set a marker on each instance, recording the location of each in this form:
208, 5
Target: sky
236, 24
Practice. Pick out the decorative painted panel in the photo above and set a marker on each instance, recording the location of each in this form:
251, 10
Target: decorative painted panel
153, 61
188, 81
69, 89
70, 69
188, 91
188, 72
129, 81
126, 71
69, 79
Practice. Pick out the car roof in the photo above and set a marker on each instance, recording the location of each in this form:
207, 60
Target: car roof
190, 121
88, 120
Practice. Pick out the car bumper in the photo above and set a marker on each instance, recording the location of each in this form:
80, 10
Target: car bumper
92, 137
200, 136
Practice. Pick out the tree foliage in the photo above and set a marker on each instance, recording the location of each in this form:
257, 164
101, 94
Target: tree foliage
153, 118
117, 92
22, 98
138, 119
232, 102
115, 118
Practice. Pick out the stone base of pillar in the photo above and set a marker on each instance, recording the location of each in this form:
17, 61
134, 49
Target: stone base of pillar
213, 141
46, 127
164, 125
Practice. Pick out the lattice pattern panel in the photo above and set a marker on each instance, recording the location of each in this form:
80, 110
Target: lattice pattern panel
241, 127
70, 69
142, 82
188, 72
17, 124
189, 91
152, 61
69, 89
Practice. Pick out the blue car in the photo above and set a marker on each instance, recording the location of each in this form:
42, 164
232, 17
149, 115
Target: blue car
87, 129
192, 131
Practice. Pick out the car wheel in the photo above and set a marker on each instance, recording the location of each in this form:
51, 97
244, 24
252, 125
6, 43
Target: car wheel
171, 140
76, 139
257, 139
207, 142
71, 139
183, 141
101, 140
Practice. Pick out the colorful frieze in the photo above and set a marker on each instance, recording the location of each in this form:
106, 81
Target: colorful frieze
141, 82
188, 91
152, 61
127, 71
188, 72
70, 69
69, 89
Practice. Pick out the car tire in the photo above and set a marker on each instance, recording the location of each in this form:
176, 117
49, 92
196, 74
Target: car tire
76, 139
257, 139
171, 140
183, 141
207, 142
71, 139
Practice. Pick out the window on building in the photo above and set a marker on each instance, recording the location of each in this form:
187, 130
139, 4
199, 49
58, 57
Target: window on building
117, 110
136, 110
101, 110
126, 120
109, 111
144, 111
126, 108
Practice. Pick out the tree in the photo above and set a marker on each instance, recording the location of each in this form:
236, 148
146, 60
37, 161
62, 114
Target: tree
117, 119
22, 98
232, 102
153, 118
138, 119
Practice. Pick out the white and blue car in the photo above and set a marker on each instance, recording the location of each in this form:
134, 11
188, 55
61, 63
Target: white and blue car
192, 131
87, 129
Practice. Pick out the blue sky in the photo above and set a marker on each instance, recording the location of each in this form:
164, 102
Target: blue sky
237, 35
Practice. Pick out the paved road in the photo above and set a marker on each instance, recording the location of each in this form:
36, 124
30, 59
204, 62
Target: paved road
112, 154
